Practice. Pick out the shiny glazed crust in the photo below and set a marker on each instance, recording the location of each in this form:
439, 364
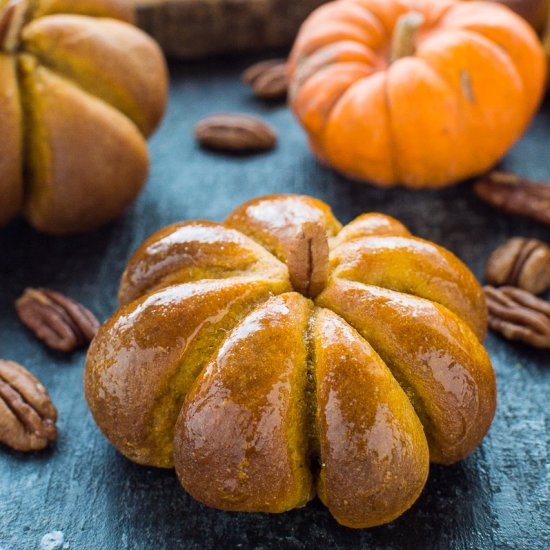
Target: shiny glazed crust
82, 91
262, 397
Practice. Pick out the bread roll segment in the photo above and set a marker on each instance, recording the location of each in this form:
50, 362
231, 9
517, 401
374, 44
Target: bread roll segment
433, 354
191, 251
108, 59
63, 121
11, 141
373, 450
372, 224
417, 267
241, 439
145, 358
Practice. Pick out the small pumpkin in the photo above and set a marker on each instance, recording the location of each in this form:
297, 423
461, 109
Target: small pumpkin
81, 90
422, 93
278, 356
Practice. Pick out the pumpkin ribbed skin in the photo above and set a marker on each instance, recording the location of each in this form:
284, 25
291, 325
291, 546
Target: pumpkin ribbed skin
82, 88
261, 396
447, 112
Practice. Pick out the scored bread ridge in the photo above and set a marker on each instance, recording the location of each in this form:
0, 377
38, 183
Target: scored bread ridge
189, 303
190, 251
106, 58
371, 224
414, 266
274, 221
373, 451
73, 38
241, 441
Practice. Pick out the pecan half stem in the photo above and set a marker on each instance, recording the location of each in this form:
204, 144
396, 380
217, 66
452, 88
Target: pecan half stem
308, 259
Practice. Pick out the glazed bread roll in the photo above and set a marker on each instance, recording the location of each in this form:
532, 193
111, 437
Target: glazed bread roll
279, 356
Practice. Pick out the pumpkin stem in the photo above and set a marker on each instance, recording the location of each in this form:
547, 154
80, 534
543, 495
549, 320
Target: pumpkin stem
12, 19
404, 35
307, 259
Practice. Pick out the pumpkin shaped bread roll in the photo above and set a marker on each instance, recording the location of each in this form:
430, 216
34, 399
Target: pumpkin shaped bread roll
279, 356
82, 89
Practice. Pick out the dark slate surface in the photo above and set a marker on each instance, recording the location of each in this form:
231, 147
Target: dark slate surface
496, 498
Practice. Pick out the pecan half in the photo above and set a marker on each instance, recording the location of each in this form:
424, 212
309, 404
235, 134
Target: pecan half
27, 414
267, 79
518, 315
520, 262
515, 195
308, 259
235, 132
60, 322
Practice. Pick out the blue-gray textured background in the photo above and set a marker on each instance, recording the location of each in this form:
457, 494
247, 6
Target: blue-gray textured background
497, 498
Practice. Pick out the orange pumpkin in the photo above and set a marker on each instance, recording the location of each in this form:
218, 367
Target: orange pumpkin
418, 92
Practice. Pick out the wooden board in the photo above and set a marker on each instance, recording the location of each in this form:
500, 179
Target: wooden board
190, 29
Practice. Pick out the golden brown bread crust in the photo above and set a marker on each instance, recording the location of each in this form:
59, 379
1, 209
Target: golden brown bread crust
433, 354
373, 450
277, 399
191, 251
11, 142
108, 59
76, 57
240, 438
370, 225
70, 191
417, 267
274, 220
143, 361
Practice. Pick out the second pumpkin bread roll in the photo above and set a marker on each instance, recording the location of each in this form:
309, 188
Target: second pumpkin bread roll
82, 89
